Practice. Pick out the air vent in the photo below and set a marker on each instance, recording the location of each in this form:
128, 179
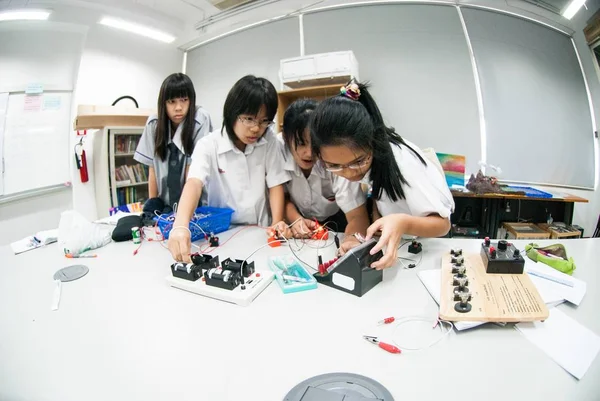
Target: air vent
228, 4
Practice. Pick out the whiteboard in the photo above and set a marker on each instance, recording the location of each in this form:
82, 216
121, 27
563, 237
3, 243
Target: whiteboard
36, 141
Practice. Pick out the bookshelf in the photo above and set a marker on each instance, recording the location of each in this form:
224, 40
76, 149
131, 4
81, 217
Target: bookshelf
287, 97
128, 179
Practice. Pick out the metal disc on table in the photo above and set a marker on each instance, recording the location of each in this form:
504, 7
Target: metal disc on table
331, 385
71, 273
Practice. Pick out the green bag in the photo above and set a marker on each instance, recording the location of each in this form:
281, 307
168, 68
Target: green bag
554, 256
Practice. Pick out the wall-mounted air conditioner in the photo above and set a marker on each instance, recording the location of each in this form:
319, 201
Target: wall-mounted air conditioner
318, 69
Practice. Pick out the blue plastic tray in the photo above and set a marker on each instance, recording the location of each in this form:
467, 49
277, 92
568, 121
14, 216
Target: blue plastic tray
210, 219
529, 192
291, 275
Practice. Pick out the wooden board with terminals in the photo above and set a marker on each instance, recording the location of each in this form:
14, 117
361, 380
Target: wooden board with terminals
493, 297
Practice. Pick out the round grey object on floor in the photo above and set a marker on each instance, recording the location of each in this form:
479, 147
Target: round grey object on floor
71, 273
350, 385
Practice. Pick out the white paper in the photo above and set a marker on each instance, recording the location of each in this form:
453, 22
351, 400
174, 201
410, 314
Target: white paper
114, 219
34, 241
570, 344
570, 288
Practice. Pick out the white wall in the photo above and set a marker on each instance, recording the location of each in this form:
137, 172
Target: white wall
112, 64
26, 217
115, 64
585, 214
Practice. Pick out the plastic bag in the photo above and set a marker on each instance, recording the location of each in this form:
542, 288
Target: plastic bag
554, 256
77, 235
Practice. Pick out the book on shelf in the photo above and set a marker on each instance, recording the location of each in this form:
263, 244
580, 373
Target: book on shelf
130, 195
134, 174
126, 144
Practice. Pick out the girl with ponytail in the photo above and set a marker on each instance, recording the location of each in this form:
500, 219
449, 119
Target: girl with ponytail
351, 139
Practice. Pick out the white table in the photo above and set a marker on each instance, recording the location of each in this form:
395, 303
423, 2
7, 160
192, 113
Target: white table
122, 333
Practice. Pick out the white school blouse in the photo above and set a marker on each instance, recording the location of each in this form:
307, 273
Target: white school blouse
145, 152
239, 180
426, 193
323, 193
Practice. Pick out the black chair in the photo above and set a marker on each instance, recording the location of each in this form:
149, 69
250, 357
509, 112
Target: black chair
597, 230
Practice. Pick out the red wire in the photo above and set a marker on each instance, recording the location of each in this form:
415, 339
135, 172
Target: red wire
228, 239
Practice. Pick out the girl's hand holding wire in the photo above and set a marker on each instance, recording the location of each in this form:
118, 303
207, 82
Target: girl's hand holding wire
281, 228
392, 229
303, 228
180, 243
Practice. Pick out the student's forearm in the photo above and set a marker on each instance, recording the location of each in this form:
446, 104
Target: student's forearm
291, 212
276, 201
358, 221
188, 202
430, 226
152, 185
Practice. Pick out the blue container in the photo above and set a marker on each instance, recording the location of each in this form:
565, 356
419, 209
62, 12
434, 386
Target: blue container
291, 275
529, 192
206, 220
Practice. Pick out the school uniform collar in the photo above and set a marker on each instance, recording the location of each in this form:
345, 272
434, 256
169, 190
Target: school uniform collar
290, 164
177, 137
224, 144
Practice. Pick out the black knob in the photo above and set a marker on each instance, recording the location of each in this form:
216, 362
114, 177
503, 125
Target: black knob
486, 241
516, 253
502, 245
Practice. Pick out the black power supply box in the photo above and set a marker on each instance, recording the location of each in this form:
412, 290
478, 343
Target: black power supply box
503, 258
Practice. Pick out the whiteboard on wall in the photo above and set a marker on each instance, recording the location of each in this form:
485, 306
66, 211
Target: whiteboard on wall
36, 141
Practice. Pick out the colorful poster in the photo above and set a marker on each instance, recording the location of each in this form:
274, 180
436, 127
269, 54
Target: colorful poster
454, 168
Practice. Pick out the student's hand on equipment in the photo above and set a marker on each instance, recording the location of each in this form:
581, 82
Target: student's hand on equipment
180, 244
281, 228
303, 228
392, 229
349, 242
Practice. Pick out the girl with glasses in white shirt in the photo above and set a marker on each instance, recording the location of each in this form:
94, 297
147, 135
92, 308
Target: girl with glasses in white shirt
237, 166
314, 193
352, 140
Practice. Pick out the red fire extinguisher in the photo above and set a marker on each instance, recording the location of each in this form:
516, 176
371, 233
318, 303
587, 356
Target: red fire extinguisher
81, 162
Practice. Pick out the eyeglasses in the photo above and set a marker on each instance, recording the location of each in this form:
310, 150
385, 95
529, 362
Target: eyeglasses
252, 122
356, 165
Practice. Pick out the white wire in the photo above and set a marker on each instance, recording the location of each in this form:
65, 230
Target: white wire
198, 225
253, 252
440, 324
295, 221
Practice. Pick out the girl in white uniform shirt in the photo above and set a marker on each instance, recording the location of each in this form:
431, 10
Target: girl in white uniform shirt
352, 140
237, 165
169, 139
313, 192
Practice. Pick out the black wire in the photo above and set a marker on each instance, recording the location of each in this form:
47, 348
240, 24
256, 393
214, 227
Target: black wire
300, 260
412, 260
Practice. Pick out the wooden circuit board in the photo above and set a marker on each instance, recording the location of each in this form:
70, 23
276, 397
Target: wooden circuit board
494, 297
